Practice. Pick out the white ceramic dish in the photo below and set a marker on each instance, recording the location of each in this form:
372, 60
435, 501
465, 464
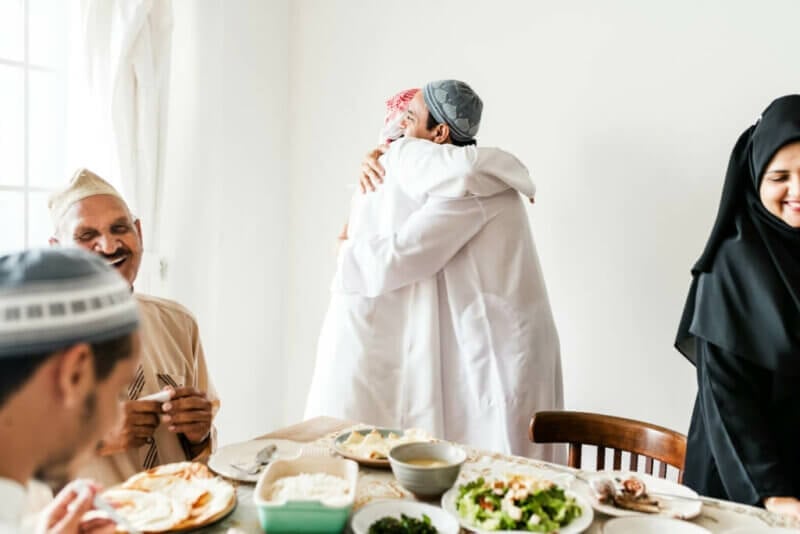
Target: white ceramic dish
762, 530
366, 516
673, 508
580, 523
245, 452
305, 515
427, 482
651, 525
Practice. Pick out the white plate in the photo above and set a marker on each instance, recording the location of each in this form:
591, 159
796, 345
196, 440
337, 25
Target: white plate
674, 508
244, 453
579, 524
762, 530
366, 516
651, 525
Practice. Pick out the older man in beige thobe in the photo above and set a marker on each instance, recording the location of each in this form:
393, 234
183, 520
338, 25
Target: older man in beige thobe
91, 214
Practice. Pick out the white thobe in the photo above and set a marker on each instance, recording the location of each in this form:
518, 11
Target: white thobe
370, 346
498, 345
12, 505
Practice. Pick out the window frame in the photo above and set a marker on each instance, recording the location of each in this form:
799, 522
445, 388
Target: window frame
27, 67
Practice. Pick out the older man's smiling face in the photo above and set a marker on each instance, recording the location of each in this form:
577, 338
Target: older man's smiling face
103, 224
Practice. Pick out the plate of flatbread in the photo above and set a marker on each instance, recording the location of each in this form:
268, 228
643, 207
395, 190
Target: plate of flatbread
174, 497
370, 446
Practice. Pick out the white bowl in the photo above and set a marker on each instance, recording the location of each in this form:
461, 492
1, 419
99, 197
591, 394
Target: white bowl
651, 525
762, 530
366, 516
427, 482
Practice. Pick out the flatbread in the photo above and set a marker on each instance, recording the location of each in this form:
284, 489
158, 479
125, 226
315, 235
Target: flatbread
178, 496
146, 511
217, 500
374, 446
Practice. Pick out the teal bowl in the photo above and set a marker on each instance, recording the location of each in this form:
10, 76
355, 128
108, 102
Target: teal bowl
302, 516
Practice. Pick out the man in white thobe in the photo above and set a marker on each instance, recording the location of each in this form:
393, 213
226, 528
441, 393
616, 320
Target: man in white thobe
378, 358
499, 348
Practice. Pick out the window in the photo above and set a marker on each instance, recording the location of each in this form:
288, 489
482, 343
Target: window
33, 82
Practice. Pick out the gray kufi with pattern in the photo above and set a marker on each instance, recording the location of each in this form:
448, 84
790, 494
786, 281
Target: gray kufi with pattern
454, 103
51, 299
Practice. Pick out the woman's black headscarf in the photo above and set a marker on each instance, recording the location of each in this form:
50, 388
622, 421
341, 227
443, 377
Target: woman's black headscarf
745, 292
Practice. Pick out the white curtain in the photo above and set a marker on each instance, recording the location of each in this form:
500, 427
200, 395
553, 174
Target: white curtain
118, 97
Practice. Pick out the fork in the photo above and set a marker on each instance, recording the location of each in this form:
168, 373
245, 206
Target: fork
263, 457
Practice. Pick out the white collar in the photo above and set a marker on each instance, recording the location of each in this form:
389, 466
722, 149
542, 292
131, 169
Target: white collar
12, 501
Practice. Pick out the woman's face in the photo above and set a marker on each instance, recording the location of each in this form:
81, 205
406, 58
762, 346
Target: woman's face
780, 185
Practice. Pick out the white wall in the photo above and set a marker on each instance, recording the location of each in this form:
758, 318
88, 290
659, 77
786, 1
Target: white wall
625, 112
226, 197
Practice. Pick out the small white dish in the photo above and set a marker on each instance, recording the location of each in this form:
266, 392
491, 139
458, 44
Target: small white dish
651, 525
245, 452
366, 516
672, 508
762, 530
577, 526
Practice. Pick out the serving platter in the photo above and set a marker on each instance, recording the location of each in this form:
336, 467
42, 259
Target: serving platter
374, 463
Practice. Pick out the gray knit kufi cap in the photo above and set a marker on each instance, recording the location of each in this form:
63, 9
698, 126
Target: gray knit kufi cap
454, 103
51, 299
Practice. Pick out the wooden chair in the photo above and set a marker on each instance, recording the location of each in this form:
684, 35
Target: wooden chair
604, 431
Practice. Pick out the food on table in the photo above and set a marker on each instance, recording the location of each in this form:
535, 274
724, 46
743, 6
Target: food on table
426, 462
628, 494
374, 446
516, 502
309, 486
404, 525
176, 496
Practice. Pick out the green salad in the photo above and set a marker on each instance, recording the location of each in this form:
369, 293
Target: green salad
404, 525
516, 503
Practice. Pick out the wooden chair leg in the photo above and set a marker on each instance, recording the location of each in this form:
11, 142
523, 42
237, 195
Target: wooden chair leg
575, 455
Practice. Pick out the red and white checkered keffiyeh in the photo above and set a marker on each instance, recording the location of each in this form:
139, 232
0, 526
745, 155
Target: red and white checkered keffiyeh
396, 107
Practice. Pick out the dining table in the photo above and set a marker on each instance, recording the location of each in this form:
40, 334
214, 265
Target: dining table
316, 436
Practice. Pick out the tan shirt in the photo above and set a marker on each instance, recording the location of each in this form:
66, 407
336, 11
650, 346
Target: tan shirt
171, 349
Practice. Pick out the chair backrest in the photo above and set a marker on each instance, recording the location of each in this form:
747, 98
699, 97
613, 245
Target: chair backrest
654, 443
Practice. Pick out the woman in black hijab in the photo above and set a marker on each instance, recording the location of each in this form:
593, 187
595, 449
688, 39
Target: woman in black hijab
741, 325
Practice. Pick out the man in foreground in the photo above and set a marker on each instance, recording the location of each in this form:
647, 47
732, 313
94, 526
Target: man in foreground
68, 348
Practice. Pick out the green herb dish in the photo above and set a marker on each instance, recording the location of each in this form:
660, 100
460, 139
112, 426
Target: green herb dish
403, 515
517, 503
404, 525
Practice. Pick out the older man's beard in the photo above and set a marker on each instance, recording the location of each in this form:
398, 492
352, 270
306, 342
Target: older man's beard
58, 470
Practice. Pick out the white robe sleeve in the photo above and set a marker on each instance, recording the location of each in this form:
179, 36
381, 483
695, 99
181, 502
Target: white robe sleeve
423, 167
432, 235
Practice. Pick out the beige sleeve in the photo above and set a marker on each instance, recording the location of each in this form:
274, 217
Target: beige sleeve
202, 382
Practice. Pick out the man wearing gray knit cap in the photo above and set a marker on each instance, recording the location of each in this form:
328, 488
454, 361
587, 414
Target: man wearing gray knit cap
68, 349
456, 105
496, 357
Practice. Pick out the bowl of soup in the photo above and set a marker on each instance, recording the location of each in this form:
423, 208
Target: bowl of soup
427, 469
